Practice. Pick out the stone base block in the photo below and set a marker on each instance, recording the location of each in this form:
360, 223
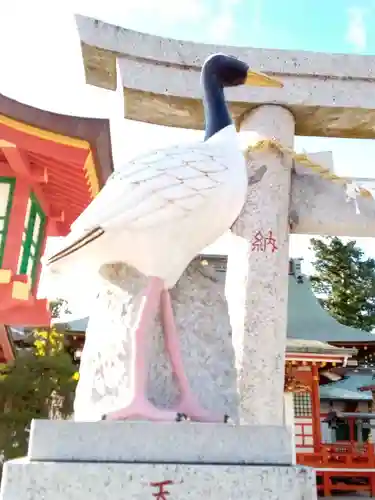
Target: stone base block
27, 480
182, 442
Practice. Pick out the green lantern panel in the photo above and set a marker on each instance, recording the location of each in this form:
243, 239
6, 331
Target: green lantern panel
32, 240
6, 197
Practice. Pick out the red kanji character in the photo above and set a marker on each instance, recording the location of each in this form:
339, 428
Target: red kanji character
258, 243
162, 493
270, 241
261, 242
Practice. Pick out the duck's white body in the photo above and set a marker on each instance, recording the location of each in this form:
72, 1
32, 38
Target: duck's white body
159, 210
156, 214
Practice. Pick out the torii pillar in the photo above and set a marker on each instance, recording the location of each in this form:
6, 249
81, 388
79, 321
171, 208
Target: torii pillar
257, 273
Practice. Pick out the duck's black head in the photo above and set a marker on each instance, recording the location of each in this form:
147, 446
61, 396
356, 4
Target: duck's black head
229, 71
220, 71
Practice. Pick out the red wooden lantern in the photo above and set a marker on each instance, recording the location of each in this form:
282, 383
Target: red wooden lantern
51, 167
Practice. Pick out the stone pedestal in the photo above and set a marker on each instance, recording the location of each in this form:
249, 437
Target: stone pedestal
185, 461
203, 326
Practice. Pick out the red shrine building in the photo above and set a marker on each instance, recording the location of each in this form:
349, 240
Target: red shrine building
51, 167
332, 413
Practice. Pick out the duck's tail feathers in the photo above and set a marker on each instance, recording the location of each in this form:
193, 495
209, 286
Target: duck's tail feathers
71, 271
76, 245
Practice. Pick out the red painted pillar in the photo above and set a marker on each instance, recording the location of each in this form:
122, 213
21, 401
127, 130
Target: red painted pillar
50, 224
315, 400
351, 430
326, 484
372, 483
4, 343
16, 225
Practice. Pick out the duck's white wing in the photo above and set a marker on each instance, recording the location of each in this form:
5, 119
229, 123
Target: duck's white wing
153, 189
157, 188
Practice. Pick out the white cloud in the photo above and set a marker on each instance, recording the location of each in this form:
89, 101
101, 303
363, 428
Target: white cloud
221, 28
223, 22
357, 32
216, 21
256, 18
163, 12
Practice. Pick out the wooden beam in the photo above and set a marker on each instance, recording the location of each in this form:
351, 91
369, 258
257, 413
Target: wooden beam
17, 160
21, 165
57, 215
5, 170
70, 187
315, 404
6, 144
40, 174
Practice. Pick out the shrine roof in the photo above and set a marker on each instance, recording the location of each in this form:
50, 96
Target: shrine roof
70, 155
316, 347
348, 388
309, 325
73, 325
294, 346
310, 328
308, 320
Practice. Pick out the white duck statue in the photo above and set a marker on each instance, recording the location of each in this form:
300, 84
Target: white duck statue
156, 213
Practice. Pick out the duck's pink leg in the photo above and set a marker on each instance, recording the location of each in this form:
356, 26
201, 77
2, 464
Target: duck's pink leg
139, 407
189, 403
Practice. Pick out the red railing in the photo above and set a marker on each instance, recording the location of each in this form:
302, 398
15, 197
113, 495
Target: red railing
330, 481
344, 454
342, 467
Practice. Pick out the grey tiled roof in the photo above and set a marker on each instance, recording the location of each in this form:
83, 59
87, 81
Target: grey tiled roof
308, 320
316, 347
73, 325
293, 345
348, 388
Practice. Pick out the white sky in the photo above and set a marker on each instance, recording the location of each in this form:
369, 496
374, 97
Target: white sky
41, 65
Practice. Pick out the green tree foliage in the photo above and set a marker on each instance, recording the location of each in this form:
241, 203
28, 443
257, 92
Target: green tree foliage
40, 383
58, 307
346, 282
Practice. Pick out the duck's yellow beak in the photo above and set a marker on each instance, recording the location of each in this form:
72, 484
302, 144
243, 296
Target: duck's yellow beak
261, 80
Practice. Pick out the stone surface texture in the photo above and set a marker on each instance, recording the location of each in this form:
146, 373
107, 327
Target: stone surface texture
202, 321
329, 94
322, 208
109, 481
163, 442
257, 276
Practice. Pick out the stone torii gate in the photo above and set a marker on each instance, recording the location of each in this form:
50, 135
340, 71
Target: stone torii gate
235, 361
323, 95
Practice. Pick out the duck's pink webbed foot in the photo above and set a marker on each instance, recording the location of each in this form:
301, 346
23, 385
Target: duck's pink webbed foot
188, 404
139, 407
